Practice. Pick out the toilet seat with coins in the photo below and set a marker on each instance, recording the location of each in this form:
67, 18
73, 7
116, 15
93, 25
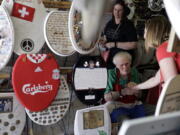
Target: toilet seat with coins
12, 115
57, 110
75, 32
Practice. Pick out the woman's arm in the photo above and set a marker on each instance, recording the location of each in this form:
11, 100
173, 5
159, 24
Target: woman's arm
122, 45
126, 45
168, 68
152, 82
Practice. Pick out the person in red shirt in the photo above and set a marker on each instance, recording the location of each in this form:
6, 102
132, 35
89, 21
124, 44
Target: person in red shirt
156, 36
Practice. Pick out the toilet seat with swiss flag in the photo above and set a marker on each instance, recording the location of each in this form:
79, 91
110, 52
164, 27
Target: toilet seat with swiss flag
35, 80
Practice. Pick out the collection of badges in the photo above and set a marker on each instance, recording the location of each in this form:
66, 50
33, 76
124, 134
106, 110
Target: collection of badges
25, 26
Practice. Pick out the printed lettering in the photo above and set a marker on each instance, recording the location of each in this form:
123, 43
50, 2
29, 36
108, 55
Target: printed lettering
33, 89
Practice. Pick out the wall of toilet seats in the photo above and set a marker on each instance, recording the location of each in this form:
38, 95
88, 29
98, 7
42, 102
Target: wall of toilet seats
32, 35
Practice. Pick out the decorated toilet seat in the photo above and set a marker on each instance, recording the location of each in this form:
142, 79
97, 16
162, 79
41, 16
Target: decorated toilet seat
92, 121
35, 79
28, 18
169, 98
6, 37
75, 30
155, 5
56, 33
12, 115
90, 79
57, 110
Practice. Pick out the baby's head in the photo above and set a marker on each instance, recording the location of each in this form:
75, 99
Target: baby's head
122, 61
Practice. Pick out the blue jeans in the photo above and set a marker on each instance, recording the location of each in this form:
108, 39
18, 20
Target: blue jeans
135, 112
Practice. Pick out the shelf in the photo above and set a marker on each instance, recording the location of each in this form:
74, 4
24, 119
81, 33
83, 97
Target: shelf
56, 4
4, 75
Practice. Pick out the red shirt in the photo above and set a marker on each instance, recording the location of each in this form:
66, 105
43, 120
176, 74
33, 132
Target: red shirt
162, 53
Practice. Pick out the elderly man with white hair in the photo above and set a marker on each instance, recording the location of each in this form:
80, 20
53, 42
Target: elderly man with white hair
119, 102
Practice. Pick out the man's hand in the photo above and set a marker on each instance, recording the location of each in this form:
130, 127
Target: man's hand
128, 91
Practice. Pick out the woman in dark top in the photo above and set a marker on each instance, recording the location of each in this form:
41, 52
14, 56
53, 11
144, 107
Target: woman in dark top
120, 32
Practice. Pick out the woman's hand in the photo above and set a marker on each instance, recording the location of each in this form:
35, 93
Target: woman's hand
128, 91
110, 45
102, 40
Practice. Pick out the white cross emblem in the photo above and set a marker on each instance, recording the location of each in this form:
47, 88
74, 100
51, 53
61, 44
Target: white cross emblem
23, 12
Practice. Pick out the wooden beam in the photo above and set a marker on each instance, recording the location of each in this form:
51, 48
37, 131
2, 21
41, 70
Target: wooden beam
66, 70
174, 42
55, 4
4, 76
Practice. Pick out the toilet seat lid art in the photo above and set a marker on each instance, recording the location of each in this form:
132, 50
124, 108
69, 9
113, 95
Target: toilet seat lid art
90, 79
6, 37
56, 33
28, 19
58, 108
35, 79
12, 114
